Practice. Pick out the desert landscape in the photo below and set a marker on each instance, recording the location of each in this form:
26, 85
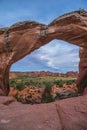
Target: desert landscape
48, 99
42, 87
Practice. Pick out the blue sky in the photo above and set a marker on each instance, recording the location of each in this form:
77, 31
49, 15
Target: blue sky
57, 56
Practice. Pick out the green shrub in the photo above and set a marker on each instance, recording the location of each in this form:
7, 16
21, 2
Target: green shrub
20, 86
12, 82
68, 82
47, 96
59, 83
26, 83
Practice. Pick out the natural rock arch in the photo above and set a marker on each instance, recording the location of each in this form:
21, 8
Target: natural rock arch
22, 38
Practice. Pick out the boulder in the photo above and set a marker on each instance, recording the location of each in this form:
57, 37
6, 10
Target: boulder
66, 94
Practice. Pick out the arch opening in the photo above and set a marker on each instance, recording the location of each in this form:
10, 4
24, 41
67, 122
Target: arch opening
56, 56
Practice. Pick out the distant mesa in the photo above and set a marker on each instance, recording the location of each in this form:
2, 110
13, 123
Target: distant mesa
43, 74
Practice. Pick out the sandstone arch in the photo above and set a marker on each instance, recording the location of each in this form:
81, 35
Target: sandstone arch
22, 38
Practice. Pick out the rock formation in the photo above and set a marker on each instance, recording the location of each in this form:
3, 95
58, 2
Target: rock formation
22, 38
82, 77
67, 114
43, 74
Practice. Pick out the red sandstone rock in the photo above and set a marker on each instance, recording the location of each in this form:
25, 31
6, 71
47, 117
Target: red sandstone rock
82, 70
42, 74
72, 74
73, 113
1, 92
22, 38
67, 114
17, 116
85, 91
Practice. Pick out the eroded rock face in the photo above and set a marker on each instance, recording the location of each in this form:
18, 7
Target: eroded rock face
82, 77
22, 38
15, 43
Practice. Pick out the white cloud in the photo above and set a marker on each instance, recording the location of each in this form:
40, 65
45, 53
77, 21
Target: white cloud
59, 54
55, 56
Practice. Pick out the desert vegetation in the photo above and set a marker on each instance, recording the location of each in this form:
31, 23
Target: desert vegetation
39, 89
